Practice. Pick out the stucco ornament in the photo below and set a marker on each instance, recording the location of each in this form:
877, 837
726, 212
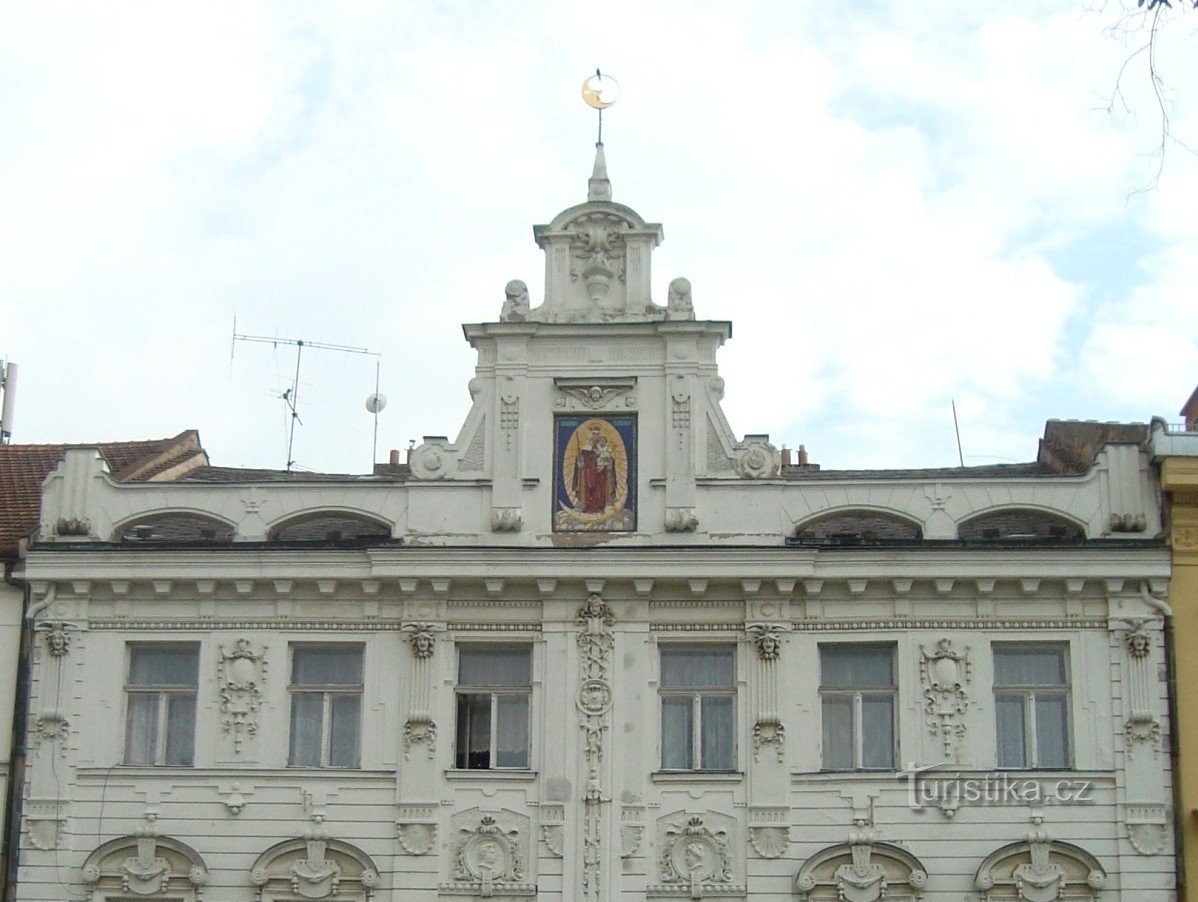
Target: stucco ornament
678, 303
595, 643
1040, 870
767, 637
58, 639
53, 727
694, 856
145, 864
681, 519
862, 870
315, 877
417, 839
432, 458
489, 854
756, 458
45, 819
314, 867
422, 637
1147, 828
242, 673
419, 731
1142, 727
945, 674
515, 302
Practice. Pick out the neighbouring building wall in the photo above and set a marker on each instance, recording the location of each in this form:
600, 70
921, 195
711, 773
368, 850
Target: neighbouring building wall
1178, 455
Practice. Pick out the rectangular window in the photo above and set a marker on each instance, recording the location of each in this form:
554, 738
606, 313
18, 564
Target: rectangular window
1031, 705
326, 706
161, 693
857, 696
493, 694
698, 708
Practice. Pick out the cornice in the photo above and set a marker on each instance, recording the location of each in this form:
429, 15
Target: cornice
685, 563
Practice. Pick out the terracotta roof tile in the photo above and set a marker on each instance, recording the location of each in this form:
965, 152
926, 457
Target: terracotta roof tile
23, 469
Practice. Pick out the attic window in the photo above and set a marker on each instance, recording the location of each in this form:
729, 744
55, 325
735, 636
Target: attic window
858, 528
1020, 525
175, 528
331, 527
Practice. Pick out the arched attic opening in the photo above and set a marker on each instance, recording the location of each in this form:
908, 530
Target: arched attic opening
858, 527
1020, 524
324, 526
167, 527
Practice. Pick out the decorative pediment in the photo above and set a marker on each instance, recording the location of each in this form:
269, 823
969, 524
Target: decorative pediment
861, 870
1040, 870
145, 865
314, 867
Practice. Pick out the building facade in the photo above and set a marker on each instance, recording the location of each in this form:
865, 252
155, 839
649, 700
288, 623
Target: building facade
597, 647
1175, 450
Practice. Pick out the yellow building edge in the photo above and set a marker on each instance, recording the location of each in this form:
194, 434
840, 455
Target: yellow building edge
1179, 479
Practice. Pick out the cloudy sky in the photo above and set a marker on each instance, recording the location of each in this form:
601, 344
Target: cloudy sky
898, 205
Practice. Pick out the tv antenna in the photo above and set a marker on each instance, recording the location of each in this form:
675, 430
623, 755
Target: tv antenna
291, 395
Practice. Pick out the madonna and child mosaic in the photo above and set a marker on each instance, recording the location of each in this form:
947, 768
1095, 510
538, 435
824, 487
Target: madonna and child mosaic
594, 474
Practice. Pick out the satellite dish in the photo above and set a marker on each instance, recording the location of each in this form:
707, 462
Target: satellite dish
376, 402
600, 91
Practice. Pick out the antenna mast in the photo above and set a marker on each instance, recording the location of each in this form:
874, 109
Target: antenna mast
291, 395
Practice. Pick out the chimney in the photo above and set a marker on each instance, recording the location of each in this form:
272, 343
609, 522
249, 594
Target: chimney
394, 460
803, 457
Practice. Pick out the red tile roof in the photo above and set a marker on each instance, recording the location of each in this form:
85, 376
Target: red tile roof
23, 469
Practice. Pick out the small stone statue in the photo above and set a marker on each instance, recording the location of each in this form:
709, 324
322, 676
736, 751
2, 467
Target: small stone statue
679, 304
515, 305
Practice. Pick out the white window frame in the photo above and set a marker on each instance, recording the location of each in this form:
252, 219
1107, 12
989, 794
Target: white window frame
697, 694
164, 692
496, 692
1028, 694
327, 691
858, 695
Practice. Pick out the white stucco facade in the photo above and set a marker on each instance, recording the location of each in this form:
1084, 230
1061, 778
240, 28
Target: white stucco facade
642, 769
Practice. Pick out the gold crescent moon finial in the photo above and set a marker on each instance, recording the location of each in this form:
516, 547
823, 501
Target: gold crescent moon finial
600, 91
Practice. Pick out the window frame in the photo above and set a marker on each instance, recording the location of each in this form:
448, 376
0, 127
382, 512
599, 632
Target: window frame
163, 692
495, 691
1028, 694
857, 695
697, 694
327, 691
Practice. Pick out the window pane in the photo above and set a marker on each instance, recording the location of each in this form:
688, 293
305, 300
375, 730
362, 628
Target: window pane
344, 730
718, 726
326, 667
838, 733
180, 729
1052, 730
1029, 666
513, 731
166, 665
307, 718
677, 733
1012, 743
856, 666
141, 731
877, 732
474, 732
698, 668
494, 667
